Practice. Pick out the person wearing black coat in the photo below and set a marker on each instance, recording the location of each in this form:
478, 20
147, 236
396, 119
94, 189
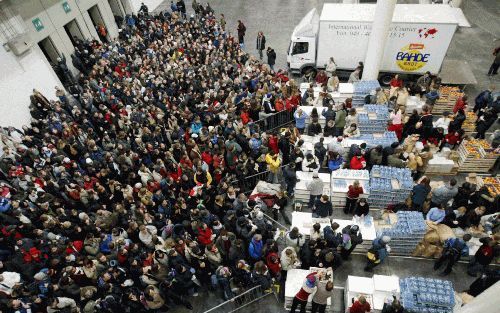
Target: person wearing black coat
184, 280
362, 208
323, 207
329, 258
271, 57
355, 239
261, 43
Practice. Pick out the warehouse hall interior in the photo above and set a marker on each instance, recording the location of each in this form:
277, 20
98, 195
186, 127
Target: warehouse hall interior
337, 156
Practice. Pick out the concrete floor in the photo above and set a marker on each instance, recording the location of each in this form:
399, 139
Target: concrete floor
277, 18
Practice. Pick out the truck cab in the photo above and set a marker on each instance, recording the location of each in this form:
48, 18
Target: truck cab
301, 54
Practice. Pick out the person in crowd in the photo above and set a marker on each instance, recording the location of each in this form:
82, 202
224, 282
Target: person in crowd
323, 207
352, 131
443, 194
324, 291
493, 70
353, 193
241, 29
308, 287
360, 306
357, 162
261, 44
420, 193
362, 208
483, 257
351, 237
395, 83
271, 57
424, 83
393, 307
379, 250
340, 121
300, 120
315, 188
453, 250
436, 214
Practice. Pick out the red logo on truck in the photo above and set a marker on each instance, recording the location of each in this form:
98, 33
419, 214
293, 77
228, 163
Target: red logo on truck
426, 32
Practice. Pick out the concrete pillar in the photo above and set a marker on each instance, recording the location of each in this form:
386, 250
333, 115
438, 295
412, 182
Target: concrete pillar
378, 38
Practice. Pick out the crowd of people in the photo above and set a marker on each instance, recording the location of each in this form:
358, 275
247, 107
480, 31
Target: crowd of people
126, 194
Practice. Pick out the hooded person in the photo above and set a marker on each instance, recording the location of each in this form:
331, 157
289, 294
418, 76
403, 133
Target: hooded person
378, 252
308, 287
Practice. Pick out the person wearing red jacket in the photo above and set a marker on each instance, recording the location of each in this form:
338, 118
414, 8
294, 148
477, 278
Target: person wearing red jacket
273, 263
451, 140
273, 143
360, 306
204, 234
353, 193
358, 162
460, 104
483, 257
309, 286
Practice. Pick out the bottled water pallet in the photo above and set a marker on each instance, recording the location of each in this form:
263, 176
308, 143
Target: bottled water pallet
408, 231
362, 89
389, 185
427, 295
373, 119
384, 139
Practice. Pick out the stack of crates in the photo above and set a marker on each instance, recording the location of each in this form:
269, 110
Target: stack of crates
408, 231
427, 295
373, 119
361, 90
389, 185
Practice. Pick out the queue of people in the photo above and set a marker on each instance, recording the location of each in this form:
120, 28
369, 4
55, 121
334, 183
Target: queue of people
126, 192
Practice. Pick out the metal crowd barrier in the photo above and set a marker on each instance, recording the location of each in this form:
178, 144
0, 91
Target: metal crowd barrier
276, 120
242, 300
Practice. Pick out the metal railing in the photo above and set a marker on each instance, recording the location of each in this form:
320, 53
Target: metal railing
275, 120
242, 300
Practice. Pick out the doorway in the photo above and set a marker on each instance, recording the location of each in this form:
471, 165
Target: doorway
98, 22
49, 50
73, 31
51, 53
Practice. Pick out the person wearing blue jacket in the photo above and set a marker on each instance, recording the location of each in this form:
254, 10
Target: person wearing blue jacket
378, 252
335, 161
300, 120
5, 204
453, 250
255, 248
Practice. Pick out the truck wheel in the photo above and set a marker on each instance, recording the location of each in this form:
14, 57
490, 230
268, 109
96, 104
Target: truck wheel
385, 79
309, 73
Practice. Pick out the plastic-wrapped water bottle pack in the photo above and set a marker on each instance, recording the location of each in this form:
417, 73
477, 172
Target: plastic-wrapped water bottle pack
408, 231
383, 191
362, 89
419, 294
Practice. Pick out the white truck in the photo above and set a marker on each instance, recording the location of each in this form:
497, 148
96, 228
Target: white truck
418, 38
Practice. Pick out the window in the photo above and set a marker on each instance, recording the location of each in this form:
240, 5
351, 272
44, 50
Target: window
300, 47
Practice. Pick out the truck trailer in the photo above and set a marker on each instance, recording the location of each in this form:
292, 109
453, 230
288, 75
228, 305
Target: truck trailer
418, 38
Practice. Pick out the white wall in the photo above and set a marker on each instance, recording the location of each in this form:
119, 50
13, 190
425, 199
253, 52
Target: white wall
152, 4
20, 74
18, 77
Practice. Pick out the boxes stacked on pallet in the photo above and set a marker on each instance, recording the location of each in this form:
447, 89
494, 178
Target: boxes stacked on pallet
408, 231
301, 191
389, 185
476, 156
341, 179
448, 95
371, 140
362, 89
373, 119
427, 295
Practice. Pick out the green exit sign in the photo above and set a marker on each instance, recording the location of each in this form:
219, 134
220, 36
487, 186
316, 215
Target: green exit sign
38, 24
66, 7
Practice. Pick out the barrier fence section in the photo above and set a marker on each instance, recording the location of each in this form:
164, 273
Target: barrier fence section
242, 300
275, 120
